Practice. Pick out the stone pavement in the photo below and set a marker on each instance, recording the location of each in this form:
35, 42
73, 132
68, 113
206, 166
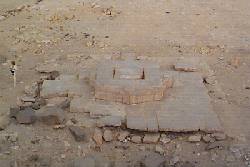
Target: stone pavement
186, 108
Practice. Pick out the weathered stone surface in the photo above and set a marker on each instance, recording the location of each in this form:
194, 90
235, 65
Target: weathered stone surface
151, 137
78, 105
26, 116
67, 85
51, 115
83, 162
188, 97
110, 121
194, 138
154, 160
54, 88
136, 139
98, 110
78, 133
108, 135
97, 137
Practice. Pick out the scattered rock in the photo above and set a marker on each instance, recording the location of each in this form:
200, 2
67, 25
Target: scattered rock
108, 135
219, 136
194, 138
208, 139
123, 136
78, 133
136, 139
151, 138
98, 136
51, 115
159, 149
164, 139
26, 116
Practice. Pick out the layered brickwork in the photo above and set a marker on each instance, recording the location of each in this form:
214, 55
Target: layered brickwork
130, 81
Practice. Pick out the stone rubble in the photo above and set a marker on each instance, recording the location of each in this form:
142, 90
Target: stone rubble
136, 139
122, 137
194, 138
97, 137
151, 138
108, 135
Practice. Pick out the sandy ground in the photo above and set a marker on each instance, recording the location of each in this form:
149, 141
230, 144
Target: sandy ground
216, 31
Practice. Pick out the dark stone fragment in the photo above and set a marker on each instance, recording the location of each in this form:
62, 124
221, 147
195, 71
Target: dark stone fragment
78, 133
26, 116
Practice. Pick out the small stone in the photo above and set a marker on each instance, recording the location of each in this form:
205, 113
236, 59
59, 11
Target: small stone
98, 136
159, 149
151, 138
26, 116
78, 133
51, 115
164, 139
219, 136
136, 139
194, 138
208, 139
2, 18
28, 99
214, 145
108, 135
185, 66
123, 135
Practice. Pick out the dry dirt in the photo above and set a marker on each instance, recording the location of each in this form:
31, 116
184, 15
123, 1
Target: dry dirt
216, 31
